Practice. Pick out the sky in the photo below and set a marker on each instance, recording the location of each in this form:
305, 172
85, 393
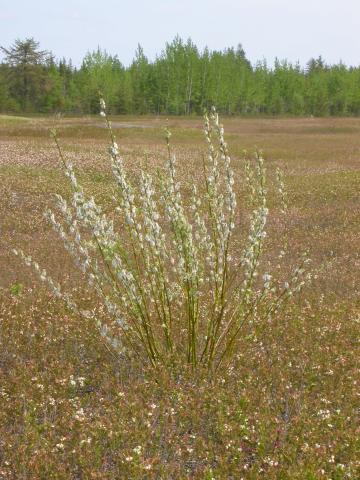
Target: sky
293, 29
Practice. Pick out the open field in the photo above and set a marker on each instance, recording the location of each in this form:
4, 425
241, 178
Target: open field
288, 409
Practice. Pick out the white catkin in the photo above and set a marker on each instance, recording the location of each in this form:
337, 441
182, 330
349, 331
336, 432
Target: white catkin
164, 262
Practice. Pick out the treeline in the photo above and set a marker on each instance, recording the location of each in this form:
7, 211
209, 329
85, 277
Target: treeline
182, 80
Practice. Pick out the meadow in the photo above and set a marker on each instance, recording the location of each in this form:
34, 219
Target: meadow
286, 408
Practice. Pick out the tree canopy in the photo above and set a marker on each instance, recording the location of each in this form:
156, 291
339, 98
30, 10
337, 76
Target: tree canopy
181, 80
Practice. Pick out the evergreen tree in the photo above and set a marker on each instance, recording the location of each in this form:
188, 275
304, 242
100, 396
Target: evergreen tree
26, 72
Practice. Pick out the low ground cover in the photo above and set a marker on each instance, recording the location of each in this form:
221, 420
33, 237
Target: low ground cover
287, 408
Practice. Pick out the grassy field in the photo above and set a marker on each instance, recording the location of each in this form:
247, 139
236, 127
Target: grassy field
289, 406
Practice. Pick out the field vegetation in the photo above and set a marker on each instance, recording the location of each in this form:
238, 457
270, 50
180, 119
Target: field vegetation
285, 407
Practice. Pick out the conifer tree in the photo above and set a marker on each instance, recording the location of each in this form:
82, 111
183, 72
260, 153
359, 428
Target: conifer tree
26, 70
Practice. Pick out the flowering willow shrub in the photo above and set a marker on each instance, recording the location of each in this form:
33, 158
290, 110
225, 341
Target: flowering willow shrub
170, 275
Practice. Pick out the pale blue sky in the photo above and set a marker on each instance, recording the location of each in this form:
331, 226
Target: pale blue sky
292, 29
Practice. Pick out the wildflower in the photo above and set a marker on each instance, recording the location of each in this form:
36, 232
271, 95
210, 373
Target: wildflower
86, 441
80, 415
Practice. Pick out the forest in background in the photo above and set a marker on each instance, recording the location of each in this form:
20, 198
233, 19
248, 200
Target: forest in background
182, 80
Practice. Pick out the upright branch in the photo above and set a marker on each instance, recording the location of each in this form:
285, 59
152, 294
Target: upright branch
165, 266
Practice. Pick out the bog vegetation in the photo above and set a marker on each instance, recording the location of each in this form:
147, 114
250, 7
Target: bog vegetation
182, 80
166, 355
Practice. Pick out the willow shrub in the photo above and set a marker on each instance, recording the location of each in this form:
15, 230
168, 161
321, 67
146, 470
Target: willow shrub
174, 283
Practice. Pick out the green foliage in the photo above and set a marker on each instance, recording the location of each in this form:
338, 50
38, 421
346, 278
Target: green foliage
182, 80
16, 288
99, 71
26, 74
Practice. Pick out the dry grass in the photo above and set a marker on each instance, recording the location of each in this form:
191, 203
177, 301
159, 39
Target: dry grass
289, 407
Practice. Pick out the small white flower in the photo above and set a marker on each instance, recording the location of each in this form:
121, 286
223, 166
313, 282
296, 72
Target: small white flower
137, 450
